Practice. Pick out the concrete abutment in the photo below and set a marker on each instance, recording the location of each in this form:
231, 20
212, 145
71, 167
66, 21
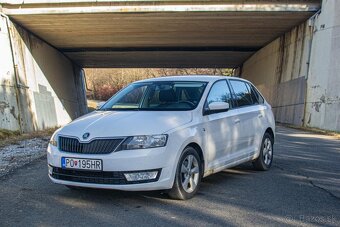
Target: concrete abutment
40, 87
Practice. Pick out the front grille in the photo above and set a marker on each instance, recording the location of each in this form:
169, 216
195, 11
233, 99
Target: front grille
95, 177
97, 146
89, 176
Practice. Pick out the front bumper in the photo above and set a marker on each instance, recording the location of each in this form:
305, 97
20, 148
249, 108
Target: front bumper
118, 163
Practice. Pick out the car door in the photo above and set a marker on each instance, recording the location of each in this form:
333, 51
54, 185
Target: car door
220, 128
248, 112
259, 123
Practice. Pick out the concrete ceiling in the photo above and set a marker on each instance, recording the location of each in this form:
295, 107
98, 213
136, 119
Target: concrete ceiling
167, 34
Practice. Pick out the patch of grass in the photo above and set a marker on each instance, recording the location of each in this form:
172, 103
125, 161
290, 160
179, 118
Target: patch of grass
313, 130
4, 134
8, 137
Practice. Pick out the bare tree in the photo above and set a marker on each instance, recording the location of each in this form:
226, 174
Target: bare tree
103, 83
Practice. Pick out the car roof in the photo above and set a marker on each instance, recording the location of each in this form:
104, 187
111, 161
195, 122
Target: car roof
201, 78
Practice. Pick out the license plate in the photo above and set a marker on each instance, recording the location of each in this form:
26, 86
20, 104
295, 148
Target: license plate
81, 163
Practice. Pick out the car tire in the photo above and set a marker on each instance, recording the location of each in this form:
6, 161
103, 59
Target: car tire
265, 159
188, 175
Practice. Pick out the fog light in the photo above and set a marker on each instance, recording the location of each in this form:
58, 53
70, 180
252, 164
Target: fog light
141, 176
50, 170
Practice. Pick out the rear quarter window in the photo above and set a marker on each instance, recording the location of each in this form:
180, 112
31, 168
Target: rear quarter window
242, 93
257, 94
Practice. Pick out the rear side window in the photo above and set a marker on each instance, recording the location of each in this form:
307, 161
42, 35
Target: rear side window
252, 94
242, 93
219, 93
257, 95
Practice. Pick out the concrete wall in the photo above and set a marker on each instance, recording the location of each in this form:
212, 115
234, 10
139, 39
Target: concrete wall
279, 70
41, 88
323, 93
9, 113
299, 73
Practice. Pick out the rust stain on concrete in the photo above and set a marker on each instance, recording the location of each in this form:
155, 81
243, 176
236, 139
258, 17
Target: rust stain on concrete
12, 111
323, 99
3, 106
315, 86
317, 105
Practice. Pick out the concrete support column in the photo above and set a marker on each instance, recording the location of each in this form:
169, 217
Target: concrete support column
49, 87
9, 112
79, 81
323, 90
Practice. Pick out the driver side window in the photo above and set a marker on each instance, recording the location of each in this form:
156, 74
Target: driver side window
220, 92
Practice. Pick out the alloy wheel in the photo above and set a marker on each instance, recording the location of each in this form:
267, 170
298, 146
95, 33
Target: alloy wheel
267, 151
190, 173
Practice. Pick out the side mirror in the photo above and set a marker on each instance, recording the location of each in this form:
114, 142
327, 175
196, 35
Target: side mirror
99, 105
216, 107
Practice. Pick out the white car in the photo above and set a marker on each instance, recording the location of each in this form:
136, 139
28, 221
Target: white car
165, 133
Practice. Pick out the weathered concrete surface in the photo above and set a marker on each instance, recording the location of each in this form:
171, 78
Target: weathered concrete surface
279, 70
308, 3
158, 58
299, 73
160, 33
45, 87
51, 79
9, 112
323, 92
301, 189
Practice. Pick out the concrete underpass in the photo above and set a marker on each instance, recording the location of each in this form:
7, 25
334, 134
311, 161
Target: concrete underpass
289, 49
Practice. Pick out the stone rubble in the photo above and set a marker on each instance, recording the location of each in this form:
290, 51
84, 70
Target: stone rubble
16, 155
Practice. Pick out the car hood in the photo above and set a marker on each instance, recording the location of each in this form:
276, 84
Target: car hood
126, 123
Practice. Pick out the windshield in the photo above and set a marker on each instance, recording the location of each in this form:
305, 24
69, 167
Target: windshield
170, 95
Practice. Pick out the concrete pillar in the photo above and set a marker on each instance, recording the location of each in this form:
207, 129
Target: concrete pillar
9, 112
50, 87
79, 81
323, 90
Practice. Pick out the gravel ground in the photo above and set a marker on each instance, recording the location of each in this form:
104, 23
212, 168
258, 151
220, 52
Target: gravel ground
16, 155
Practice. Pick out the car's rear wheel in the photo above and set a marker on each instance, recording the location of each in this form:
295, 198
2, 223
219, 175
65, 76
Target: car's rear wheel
188, 175
265, 159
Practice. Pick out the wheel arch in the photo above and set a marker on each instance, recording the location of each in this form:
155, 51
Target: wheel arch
200, 153
271, 133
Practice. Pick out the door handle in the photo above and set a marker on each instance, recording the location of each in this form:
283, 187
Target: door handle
237, 121
260, 115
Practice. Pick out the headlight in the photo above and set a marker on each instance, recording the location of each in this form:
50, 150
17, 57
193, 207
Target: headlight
53, 140
141, 142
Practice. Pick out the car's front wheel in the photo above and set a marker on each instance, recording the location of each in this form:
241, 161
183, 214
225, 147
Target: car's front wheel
188, 175
265, 159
